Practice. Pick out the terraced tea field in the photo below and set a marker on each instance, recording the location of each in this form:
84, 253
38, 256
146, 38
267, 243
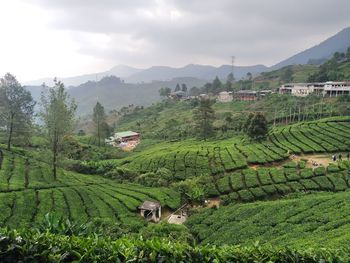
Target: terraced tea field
314, 220
28, 192
264, 183
191, 158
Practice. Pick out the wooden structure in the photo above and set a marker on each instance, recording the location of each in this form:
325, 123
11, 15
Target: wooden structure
151, 211
126, 136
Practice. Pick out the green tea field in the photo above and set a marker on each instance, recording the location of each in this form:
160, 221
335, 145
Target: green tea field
28, 192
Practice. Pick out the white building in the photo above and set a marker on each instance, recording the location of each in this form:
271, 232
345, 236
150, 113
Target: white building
225, 96
330, 88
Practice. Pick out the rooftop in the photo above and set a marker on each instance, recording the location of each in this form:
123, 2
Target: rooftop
125, 134
150, 205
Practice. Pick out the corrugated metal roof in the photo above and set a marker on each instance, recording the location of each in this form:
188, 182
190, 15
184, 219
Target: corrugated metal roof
125, 134
149, 205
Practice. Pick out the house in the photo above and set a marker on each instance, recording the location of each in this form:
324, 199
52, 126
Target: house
246, 95
335, 89
328, 89
126, 136
225, 96
127, 140
151, 211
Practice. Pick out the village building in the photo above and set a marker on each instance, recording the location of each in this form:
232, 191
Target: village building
225, 96
151, 211
127, 136
327, 89
246, 95
127, 140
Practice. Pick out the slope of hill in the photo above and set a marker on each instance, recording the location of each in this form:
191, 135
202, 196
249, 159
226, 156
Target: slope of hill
324, 50
28, 192
303, 221
115, 94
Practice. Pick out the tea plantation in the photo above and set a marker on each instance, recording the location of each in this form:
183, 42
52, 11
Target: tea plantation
190, 158
28, 192
319, 219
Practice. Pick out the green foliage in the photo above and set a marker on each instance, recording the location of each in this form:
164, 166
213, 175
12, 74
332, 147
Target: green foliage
164, 92
57, 115
102, 130
204, 117
299, 221
256, 126
46, 247
16, 110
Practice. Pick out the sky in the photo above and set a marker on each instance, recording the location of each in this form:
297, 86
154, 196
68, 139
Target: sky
48, 38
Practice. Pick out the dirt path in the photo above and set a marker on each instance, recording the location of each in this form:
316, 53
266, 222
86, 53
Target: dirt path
314, 160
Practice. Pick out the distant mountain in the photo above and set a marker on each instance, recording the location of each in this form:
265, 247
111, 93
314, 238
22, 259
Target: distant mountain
205, 72
114, 93
320, 52
157, 73
121, 71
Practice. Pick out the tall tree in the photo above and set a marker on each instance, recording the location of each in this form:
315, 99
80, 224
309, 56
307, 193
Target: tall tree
230, 78
177, 88
217, 85
204, 116
99, 119
16, 109
57, 115
256, 126
194, 91
184, 87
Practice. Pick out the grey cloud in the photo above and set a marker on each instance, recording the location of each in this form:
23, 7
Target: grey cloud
207, 31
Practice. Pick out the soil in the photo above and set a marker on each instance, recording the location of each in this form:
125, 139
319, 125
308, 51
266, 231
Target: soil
213, 202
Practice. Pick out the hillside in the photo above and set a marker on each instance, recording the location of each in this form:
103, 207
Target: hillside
28, 192
299, 221
113, 93
337, 43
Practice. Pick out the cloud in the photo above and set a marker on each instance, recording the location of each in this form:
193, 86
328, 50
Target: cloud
177, 32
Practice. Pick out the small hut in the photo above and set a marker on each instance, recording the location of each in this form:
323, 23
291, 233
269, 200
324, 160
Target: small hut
151, 211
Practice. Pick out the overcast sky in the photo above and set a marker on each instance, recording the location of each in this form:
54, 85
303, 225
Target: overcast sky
47, 38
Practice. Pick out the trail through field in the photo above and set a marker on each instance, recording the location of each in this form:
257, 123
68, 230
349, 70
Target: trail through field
314, 160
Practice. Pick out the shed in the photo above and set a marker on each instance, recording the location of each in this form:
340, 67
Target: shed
151, 210
127, 136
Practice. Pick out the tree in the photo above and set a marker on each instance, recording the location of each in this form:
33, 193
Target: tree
249, 76
164, 92
177, 88
256, 126
99, 120
204, 117
194, 91
57, 115
230, 78
217, 85
348, 53
287, 75
184, 87
16, 109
